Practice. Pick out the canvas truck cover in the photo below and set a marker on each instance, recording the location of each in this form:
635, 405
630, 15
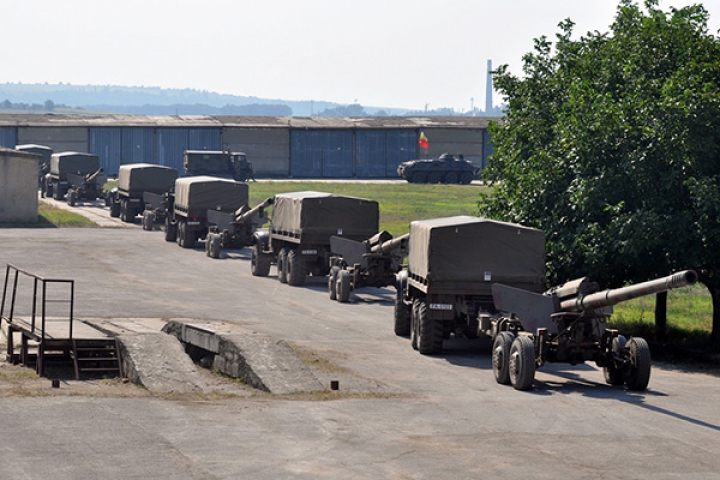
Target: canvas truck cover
206, 162
194, 196
319, 213
73, 162
137, 178
478, 251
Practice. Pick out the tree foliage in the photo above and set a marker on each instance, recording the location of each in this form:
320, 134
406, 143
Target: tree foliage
610, 145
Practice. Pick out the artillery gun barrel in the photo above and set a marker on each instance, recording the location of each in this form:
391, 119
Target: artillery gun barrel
247, 216
91, 177
391, 245
610, 297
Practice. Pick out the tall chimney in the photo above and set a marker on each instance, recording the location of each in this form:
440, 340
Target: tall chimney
488, 90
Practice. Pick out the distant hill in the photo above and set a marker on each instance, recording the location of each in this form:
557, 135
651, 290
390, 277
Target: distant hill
67, 99
157, 101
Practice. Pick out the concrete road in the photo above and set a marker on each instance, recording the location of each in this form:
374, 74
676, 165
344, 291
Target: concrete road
445, 417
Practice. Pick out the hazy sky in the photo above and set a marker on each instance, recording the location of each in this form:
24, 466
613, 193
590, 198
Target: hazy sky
389, 53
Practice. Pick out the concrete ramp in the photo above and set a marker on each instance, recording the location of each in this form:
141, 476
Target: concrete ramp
158, 362
261, 361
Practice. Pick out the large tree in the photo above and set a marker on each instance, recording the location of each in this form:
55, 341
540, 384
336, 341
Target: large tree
610, 145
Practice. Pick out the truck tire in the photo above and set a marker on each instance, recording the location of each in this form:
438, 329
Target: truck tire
401, 314
180, 233
500, 357
188, 236
259, 263
521, 364
115, 209
56, 191
640, 364
71, 197
614, 375
170, 230
125, 214
331, 282
414, 328
343, 286
430, 331
148, 220
281, 265
295, 268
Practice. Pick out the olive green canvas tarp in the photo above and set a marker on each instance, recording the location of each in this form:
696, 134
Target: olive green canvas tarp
73, 162
137, 178
194, 196
319, 213
474, 249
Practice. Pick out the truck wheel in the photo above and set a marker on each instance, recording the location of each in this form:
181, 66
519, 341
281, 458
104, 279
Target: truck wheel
414, 328
500, 357
281, 265
521, 364
466, 178
640, 364
114, 209
259, 263
148, 220
401, 315
434, 177
430, 331
331, 282
126, 214
450, 178
343, 286
295, 268
71, 196
186, 236
56, 191
170, 230
48, 189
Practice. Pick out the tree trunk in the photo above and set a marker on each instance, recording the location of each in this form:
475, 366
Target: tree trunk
661, 315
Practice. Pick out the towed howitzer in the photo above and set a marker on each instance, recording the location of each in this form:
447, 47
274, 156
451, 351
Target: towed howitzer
568, 324
389, 246
86, 187
234, 230
370, 263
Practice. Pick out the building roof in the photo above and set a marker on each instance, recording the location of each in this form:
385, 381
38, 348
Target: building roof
195, 121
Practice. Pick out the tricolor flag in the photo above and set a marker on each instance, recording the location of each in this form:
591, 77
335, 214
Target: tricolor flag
423, 140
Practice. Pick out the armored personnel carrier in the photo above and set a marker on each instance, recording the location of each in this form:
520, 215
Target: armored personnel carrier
444, 169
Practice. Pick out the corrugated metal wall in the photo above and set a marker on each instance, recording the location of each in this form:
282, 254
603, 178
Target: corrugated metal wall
378, 152
350, 153
121, 145
321, 153
8, 137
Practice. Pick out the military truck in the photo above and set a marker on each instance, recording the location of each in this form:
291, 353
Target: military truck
223, 164
134, 180
371, 263
298, 239
568, 324
76, 173
452, 264
43, 166
234, 230
444, 169
194, 196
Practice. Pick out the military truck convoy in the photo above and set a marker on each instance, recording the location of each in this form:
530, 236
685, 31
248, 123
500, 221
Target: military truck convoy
463, 276
298, 239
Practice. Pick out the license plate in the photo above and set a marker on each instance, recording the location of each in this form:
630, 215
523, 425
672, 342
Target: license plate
309, 252
441, 306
